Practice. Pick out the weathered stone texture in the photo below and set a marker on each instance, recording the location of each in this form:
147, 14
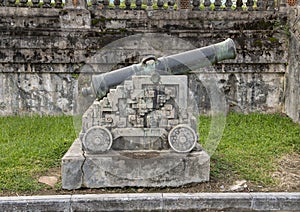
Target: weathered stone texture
72, 166
126, 168
47, 93
142, 134
54, 44
245, 92
155, 202
165, 169
23, 19
75, 18
292, 98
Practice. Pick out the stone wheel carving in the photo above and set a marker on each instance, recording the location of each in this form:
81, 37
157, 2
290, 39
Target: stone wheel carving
97, 140
182, 138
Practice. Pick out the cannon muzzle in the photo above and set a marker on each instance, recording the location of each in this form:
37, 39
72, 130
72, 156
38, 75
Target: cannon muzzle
181, 63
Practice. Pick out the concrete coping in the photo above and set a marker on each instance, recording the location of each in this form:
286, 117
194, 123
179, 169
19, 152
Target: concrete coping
155, 202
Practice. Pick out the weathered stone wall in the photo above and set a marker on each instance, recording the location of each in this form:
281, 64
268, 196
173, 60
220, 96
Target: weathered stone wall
292, 98
35, 62
42, 50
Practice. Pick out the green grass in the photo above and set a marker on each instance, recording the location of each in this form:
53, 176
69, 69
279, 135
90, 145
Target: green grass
29, 146
251, 144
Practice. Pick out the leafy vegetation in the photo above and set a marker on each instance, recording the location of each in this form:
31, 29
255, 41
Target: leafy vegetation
30, 146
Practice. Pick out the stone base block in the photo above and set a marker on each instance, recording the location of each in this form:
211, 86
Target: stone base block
71, 167
133, 168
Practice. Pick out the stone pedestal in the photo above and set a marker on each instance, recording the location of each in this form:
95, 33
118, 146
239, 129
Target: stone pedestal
133, 168
143, 133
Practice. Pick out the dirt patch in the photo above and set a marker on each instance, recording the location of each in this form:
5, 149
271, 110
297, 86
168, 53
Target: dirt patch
288, 173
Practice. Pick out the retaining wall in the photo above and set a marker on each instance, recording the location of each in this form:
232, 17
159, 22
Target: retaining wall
42, 51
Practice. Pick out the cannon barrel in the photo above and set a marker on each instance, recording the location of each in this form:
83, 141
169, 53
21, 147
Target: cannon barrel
181, 63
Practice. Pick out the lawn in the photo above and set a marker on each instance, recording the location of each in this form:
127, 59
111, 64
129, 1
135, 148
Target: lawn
249, 149
252, 144
29, 146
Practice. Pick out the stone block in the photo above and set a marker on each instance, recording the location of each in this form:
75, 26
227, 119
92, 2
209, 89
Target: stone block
75, 18
71, 167
35, 203
145, 169
199, 201
117, 202
276, 201
128, 168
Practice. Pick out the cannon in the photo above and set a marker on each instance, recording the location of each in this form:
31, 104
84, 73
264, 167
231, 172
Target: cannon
181, 63
146, 107
141, 130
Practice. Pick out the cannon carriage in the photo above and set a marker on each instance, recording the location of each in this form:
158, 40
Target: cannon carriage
142, 114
